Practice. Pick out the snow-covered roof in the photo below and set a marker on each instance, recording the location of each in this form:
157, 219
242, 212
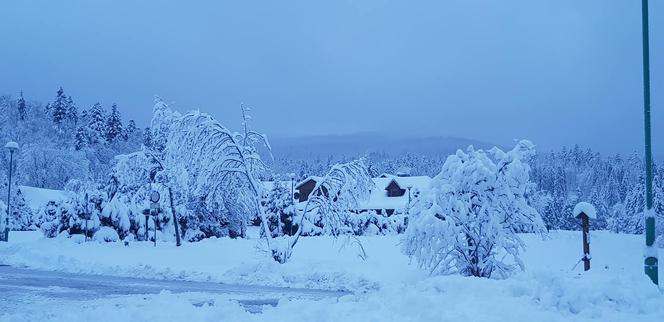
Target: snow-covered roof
314, 178
586, 208
378, 198
37, 198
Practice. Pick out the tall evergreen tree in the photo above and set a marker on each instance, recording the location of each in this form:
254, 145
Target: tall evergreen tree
96, 124
72, 111
21, 107
114, 125
130, 129
59, 108
81, 139
147, 138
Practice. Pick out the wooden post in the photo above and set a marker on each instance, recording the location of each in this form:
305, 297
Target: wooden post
175, 218
585, 226
147, 237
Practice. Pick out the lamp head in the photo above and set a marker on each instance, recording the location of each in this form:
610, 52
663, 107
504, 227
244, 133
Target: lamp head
11, 146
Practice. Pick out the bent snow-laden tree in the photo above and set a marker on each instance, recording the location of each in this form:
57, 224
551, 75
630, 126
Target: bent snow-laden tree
224, 168
220, 166
468, 223
330, 203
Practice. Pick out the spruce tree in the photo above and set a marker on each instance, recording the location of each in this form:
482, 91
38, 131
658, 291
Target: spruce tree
81, 139
59, 109
130, 129
113, 125
72, 111
21, 107
147, 138
96, 124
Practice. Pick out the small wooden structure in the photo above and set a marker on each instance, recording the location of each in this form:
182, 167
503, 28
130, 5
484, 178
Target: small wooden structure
585, 211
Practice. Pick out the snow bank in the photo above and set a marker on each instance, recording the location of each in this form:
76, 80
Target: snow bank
387, 287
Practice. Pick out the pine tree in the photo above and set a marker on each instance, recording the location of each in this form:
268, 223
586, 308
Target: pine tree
72, 111
113, 125
96, 124
59, 108
129, 130
21, 107
81, 139
147, 138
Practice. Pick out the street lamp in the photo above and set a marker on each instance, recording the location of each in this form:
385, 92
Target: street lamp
650, 262
12, 147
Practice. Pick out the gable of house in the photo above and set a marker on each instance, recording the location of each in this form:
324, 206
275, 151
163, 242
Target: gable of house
394, 190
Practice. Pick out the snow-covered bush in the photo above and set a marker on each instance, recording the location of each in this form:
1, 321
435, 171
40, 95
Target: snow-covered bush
106, 234
468, 222
370, 223
54, 218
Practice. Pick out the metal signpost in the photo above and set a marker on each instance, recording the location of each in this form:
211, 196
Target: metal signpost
154, 211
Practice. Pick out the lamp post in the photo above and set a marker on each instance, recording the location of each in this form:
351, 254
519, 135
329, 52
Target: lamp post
650, 262
4, 224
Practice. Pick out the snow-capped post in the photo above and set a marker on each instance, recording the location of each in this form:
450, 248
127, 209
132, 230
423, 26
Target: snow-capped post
4, 224
585, 211
650, 262
154, 211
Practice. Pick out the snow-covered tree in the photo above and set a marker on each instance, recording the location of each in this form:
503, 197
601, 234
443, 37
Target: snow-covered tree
330, 203
280, 210
21, 107
96, 124
21, 214
202, 154
114, 125
80, 139
72, 111
130, 130
59, 108
468, 223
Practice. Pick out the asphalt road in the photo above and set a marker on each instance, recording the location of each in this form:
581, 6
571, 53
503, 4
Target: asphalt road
21, 286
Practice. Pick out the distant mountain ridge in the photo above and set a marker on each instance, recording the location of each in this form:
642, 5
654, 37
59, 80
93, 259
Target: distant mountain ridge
359, 144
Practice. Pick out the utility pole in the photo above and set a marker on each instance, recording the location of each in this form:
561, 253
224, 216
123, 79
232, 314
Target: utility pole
12, 147
650, 262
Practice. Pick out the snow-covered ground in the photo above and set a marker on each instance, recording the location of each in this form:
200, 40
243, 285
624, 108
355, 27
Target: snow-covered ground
387, 286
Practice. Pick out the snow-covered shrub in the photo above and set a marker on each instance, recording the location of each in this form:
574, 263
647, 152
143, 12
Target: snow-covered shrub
54, 218
468, 222
371, 223
106, 234
194, 235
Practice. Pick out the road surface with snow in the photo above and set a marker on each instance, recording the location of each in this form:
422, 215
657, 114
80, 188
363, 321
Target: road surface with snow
20, 287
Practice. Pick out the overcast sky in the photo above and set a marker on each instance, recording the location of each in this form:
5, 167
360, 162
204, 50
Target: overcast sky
557, 72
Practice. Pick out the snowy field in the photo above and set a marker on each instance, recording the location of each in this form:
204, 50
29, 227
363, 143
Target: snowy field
386, 286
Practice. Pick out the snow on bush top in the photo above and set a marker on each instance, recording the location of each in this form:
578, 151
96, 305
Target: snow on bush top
586, 208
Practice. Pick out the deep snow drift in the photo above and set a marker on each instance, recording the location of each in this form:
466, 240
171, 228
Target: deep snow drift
387, 287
